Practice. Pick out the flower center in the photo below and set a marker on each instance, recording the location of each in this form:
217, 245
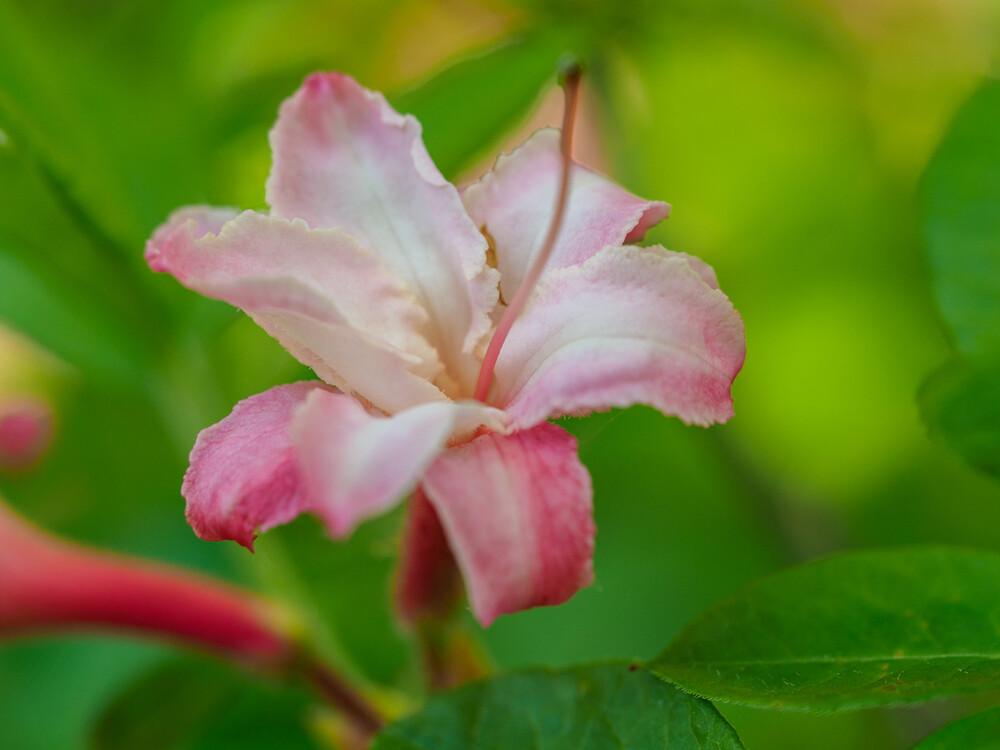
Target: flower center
571, 88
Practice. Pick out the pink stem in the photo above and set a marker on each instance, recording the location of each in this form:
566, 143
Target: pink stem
571, 85
50, 585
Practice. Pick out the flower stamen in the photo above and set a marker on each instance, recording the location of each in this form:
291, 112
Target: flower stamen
571, 88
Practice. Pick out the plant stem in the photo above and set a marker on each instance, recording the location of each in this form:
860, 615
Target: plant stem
48, 585
341, 696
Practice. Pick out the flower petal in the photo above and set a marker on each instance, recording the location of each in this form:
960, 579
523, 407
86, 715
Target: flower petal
356, 465
244, 473
202, 220
332, 304
305, 448
344, 158
517, 512
515, 202
428, 585
631, 325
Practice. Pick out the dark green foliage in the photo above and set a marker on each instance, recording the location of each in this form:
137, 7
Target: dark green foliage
858, 629
198, 704
961, 222
960, 203
961, 404
605, 707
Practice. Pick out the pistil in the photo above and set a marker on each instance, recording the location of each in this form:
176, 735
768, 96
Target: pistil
571, 88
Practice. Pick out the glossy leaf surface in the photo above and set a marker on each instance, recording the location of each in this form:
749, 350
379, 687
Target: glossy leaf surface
858, 629
605, 707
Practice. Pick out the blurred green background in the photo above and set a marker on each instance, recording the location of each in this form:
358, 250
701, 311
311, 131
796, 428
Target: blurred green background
788, 135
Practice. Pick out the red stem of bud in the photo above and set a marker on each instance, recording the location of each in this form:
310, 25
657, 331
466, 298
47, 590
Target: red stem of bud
571, 87
49, 585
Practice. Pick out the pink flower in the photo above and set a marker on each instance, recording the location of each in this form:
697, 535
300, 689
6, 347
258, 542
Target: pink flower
26, 429
374, 271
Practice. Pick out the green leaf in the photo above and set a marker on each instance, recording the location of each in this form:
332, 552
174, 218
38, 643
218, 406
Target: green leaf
960, 207
858, 629
166, 706
980, 731
193, 703
467, 108
112, 111
586, 708
70, 325
52, 689
60, 282
960, 404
